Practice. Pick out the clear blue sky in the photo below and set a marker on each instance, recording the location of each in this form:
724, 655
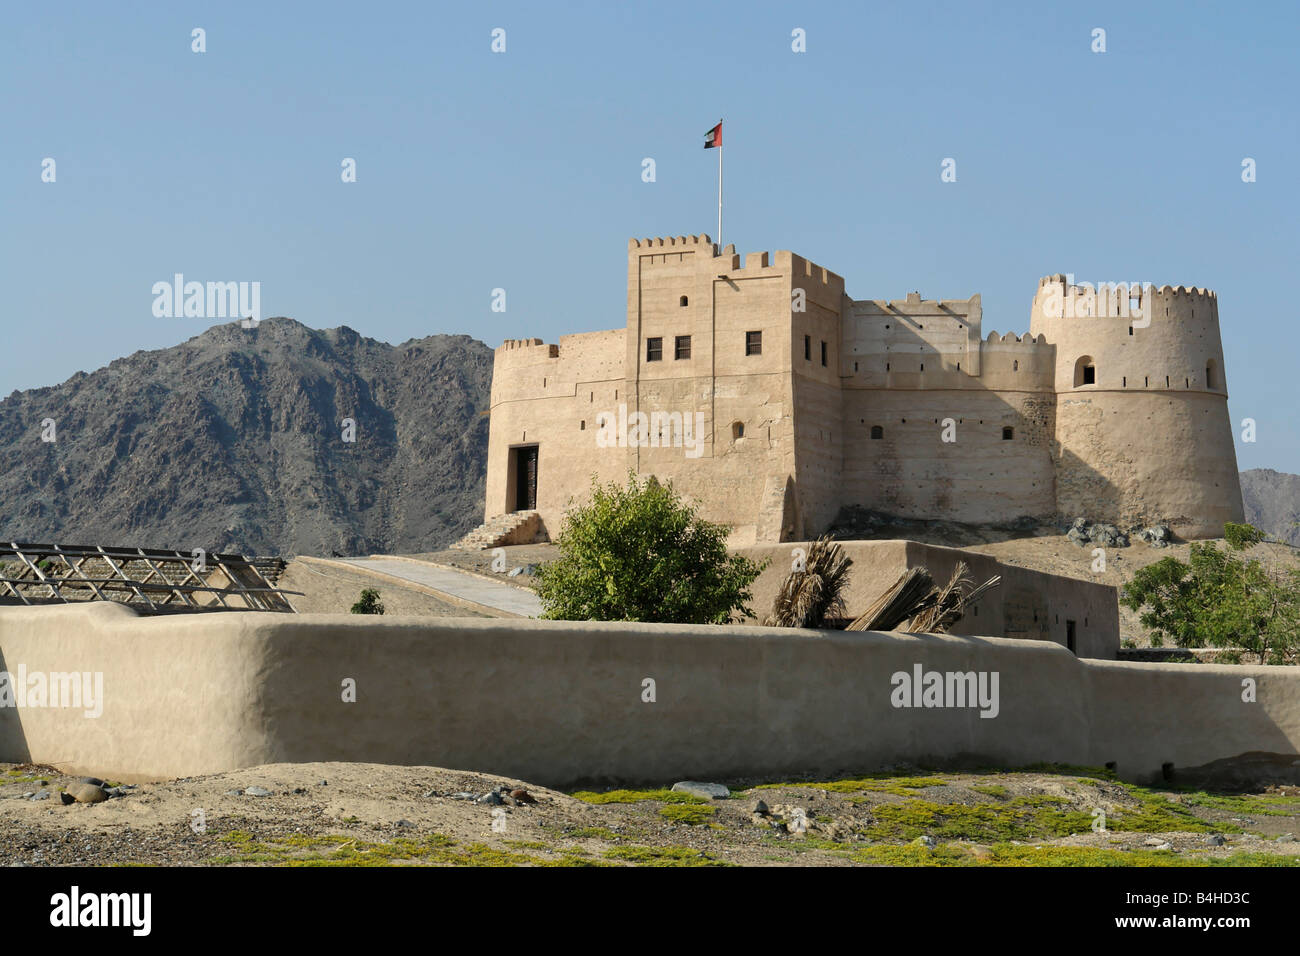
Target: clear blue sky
522, 170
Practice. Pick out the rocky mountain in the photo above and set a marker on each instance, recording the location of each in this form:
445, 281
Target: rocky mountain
235, 440
1272, 501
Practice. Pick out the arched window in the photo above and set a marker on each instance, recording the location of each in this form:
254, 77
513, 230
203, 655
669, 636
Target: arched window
737, 430
1085, 372
877, 431
1008, 433
682, 301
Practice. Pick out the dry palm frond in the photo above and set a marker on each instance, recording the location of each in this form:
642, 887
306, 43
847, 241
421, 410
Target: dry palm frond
809, 595
905, 598
951, 603
915, 599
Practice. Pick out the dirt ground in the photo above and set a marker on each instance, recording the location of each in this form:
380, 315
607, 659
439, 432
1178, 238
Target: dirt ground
330, 590
370, 814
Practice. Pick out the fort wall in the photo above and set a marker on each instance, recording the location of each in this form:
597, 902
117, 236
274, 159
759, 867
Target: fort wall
215, 692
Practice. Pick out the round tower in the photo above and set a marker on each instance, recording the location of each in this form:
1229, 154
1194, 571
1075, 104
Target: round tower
1142, 427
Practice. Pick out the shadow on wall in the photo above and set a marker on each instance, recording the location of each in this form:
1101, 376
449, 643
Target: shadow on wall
13, 743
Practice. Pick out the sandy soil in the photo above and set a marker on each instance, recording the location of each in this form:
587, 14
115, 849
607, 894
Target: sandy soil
329, 590
359, 814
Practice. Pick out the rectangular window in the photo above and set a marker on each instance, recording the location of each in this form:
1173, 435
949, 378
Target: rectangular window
682, 347
753, 343
654, 350
823, 353
807, 348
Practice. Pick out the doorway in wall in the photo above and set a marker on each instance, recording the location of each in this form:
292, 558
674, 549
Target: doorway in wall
523, 466
1069, 637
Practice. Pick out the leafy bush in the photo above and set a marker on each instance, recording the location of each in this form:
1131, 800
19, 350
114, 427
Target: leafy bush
1242, 536
369, 603
639, 553
1219, 600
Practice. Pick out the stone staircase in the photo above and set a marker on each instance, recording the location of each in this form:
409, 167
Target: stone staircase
519, 527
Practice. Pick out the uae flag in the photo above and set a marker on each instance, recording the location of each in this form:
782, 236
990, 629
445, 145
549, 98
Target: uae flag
713, 137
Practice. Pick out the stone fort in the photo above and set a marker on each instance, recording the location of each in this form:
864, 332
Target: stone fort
773, 398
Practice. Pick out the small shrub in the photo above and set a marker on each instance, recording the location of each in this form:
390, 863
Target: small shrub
369, 603
639, 553
1242, 536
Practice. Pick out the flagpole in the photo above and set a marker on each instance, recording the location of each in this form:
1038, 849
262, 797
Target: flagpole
719, 194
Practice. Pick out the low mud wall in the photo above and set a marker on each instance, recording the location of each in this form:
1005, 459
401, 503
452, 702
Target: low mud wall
566, 703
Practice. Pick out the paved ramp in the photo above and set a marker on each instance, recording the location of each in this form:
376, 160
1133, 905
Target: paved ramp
468, 587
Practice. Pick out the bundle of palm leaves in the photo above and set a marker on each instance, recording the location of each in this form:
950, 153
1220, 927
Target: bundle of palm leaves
926, 608
813, 592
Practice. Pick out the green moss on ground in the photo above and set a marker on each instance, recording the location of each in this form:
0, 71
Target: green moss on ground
636, 796
663, 856
692, 814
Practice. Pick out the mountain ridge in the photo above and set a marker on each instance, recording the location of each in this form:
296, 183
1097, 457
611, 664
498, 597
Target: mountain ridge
237, 435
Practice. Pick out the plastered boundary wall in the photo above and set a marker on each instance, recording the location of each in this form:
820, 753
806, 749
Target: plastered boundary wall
560, 703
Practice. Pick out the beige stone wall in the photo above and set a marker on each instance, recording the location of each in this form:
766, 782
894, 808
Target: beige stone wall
979, 477
561, 703
550, 396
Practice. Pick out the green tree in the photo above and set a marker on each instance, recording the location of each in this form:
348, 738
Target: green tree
639, 553
1242, 536
369, 603
1217, 599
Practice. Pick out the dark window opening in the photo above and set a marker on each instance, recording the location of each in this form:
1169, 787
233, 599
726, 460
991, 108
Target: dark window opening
1085, 372
682, 347
654, 349
1209, 377
737, 430
1015, 366
823, 354
807, 348
1069, 636
877, 431
1008, 433
753, 343
682, 301
582, 426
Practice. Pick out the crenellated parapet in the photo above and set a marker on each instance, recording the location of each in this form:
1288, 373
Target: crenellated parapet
671, 242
